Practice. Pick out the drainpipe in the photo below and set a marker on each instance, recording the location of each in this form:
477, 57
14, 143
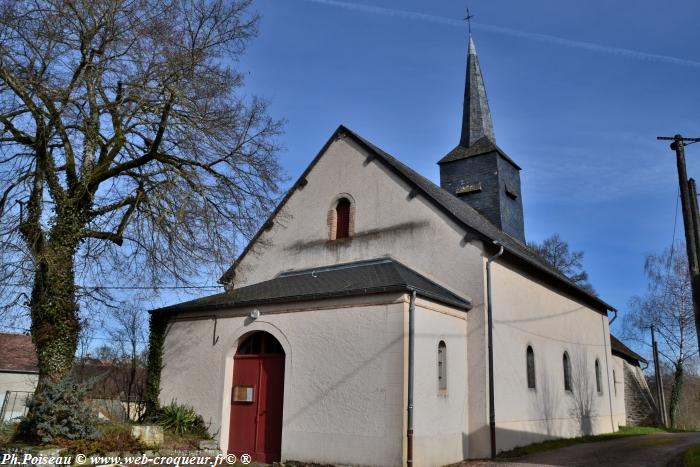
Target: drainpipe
489, 311
411, 359
606, 339
614, 318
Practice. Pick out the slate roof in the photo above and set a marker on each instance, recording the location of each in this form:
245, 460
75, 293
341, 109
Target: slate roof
17, 353
476, 115
471, 218
457, 209
621, 350
359, 278
482, 146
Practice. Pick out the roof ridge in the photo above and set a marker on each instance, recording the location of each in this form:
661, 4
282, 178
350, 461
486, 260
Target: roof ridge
461, 211
487, 229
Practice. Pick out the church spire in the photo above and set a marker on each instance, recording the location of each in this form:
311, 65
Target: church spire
477, 171
476, 117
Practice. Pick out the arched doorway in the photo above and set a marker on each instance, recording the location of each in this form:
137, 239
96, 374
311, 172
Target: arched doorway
256, 398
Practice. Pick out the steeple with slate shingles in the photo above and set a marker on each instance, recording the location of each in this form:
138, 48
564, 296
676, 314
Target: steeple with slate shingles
477, 171
476, 118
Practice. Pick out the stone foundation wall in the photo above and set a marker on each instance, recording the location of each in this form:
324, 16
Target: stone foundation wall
640, 406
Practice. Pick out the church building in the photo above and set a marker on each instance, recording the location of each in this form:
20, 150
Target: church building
380, 319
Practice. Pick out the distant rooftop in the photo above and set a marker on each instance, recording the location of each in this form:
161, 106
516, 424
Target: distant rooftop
621, 350
17, 353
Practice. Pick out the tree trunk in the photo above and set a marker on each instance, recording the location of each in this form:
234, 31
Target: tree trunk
676, 392
55, 323
130, 388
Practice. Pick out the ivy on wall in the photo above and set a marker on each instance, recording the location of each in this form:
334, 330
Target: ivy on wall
158, 327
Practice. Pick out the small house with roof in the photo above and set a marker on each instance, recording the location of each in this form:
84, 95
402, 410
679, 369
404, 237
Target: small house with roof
378, 318
19, 374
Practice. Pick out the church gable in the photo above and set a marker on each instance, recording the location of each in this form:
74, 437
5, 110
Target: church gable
426, 235
349, 205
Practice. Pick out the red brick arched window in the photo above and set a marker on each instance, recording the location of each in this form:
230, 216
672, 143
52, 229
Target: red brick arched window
342, 218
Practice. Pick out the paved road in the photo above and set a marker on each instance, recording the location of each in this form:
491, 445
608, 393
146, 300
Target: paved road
634, 451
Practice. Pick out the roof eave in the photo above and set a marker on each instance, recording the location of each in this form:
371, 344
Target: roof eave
15, 370
590, 298
465, 305
496, 148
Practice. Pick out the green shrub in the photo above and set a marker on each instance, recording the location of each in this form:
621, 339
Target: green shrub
113, 441
7, 432
58, 410
182, 419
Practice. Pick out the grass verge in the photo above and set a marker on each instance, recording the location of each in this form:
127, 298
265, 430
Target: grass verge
562, 443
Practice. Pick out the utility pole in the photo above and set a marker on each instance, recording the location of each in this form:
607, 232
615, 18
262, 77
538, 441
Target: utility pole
692, 236
659, 382
693, 191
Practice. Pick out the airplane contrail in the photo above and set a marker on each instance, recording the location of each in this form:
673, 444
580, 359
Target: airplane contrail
629, 53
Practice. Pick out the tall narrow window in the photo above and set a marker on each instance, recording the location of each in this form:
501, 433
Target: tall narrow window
567, 372
342, 211
530, 361
598, 382
615, 382
442, 367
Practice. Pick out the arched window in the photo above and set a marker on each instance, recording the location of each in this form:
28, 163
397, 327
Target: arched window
442, 366
598, 382
530, 362
567, 372
260, 343
342, 218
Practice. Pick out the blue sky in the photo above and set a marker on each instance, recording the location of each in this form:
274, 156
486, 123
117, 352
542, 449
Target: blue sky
578, 92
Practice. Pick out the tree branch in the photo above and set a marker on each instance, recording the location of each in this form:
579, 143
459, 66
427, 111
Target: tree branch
151, 154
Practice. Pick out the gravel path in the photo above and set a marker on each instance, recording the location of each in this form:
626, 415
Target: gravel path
659, 450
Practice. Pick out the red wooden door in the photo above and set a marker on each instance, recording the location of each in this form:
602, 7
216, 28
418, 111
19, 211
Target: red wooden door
256, 399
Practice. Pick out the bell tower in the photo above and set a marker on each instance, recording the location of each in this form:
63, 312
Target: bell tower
477, 171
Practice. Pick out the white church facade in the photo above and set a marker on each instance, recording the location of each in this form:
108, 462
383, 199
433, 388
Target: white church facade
354, 327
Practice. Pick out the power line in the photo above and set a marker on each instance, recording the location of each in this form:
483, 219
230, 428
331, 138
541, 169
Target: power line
18, 328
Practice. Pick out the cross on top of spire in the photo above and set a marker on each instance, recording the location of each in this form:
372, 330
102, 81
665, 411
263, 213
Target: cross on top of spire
468, 19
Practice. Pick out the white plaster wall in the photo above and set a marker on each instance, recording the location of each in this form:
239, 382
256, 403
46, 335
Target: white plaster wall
477, 375
529, 313
386, 222
14, 381
618, 391
440, 418
344, 376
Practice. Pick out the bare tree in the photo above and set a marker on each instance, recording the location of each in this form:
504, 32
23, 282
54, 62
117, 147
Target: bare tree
555, 251
126, 150
667, 306
129, 334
